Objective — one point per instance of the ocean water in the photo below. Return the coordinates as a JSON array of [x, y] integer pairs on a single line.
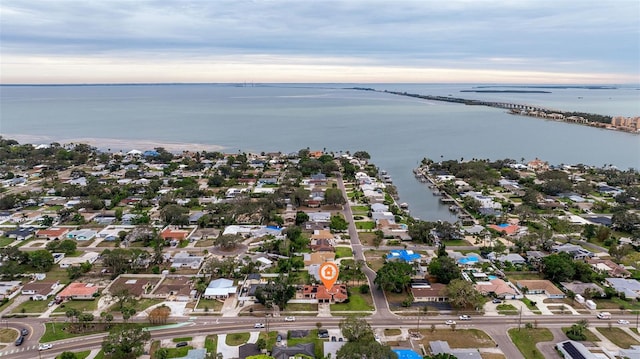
[[397, 131]]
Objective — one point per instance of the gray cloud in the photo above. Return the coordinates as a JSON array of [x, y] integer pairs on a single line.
[[588, 36]]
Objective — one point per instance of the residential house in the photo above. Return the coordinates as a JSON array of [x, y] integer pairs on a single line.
[[305, 350], [609, 267], [220, 288], [199, 353], [318, 258], [403, 255], [536, 286], [322, 245], [78, 291], [630, 287], [186, 260], [176, 288], [575, 350], [90, 257], [81, 234], [581, 288], [39, 290], [379, 207], [20, 233], [337, 293], [496, 287], [434, 292], [169, 234], [442, 347], [136, 285], [513, 258], [52, 233], [577, 252], [8, 287], [319, 216]]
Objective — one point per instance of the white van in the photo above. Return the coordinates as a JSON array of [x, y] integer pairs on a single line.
[[604, 315]]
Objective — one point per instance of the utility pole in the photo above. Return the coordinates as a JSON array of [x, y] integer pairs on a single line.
[[520, 319]]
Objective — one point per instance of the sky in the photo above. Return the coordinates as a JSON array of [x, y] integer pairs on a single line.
[[374, 41]]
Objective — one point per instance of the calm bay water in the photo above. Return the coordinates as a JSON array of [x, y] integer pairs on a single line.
[[397, 131]]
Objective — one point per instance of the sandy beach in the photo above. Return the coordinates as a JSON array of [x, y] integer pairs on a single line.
[[117, 145]]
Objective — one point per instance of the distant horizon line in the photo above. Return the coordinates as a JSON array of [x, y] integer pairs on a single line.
[[253, 84]]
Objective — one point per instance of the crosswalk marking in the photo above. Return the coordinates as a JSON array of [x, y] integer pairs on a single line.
[[17, 350]]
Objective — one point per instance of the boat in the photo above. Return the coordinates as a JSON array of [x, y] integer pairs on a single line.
[[404, 205]]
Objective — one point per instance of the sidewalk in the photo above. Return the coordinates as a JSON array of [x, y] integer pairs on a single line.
[[604, 342]]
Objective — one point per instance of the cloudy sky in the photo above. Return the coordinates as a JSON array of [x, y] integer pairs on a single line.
[[508, 41]]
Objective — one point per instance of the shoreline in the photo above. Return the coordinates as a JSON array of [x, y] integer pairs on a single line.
[[114, 145]]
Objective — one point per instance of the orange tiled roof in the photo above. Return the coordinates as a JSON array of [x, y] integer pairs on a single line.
[[52, 232], [78, 289], [168, 233]]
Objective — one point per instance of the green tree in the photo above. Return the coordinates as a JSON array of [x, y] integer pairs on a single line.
[[338, 223], [67, 246], [420, 231], [463, 295], [333, 196], [125, 343], [228, 241], [361, 343], [445, 268], [558, 267], [394, 276], [301, 217], [68, 355], [41, 260]]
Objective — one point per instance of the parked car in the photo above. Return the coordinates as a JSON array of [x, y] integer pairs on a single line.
[[323, 333], [496, 301], [45, 346], [181, 344], [465, 317], [19, 341], [279, 338], [450, 322], [258, 325], [51, 303], [290, 319], [622, 321], [24, 332]]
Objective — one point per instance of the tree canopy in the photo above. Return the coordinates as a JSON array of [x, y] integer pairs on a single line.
[[394, 276], [125, 343], [445, 269]]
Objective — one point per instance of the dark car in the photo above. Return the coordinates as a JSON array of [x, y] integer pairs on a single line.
[[181, 344], [19, 341], [24, 332]]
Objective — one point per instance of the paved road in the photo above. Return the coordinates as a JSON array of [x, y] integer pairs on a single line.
[[379, 299], [495, 326]]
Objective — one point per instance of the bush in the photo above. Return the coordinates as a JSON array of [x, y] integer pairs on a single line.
[[364, 289]]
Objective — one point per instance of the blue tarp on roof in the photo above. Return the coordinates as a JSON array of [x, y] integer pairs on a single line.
[[403, 254], [407, 354]]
